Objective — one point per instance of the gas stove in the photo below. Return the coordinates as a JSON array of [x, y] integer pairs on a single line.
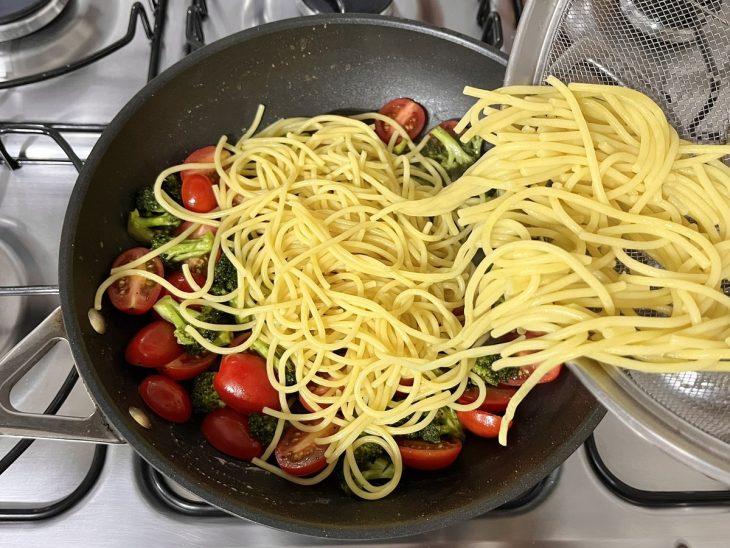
[[615, 489]]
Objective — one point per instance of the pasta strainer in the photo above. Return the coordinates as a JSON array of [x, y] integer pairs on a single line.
[[678, 53]]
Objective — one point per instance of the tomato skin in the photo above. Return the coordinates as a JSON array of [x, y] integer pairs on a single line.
[[481, 423], [178, 280], [422, 455], [495, 401], [550, 376], [153, 345], [229, 433], [198, 233], [449, 126], [243, 384], [318, 390], [186, 366], [135, 295], [204, 155], [166, 398], [197, 193], [410, 116], [299, 455]]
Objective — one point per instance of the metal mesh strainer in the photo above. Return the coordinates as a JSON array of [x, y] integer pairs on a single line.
[[678, 53]]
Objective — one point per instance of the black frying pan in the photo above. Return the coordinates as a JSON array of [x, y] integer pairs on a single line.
[[298, 67]]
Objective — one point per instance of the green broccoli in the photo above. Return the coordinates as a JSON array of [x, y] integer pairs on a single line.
[[169, 310], [483, 368], [261, 348], [374, 464], [144, 229], [203, 395], [444, 425], [262, 427], [184, 251], [225, 278], [455, 157], [173, 187]]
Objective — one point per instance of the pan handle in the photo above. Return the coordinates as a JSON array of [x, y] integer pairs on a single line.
[[15, 364]]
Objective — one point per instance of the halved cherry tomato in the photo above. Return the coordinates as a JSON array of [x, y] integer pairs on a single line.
[[527, 371], [204, 155], [135, 294], [298, 453], [153, 345], [166, 398], [482, 423], [197, 193], [422, 455], [316, 389], [449, 126], [229, 432], [186, 366], [410, 116], [495, 401], [243, 384]]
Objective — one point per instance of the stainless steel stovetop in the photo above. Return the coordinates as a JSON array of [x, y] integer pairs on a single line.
[[66, 494]]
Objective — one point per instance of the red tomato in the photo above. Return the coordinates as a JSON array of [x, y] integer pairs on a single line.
[[242, 384], [197, 193], [229, 432], [135, 294], [481, 423], [298, 453], [449, 126], [166, 398], [410, 116], [527, 371], [153, 345], [178, 280], [198, 233], [186, 367], [422, 455], [495, 401], [316, 389], [205, 155]]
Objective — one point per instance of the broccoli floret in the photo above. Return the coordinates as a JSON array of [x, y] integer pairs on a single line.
[[184, 251], [483, 368], [444, 425], [225, 277], [374, 464], [262, 427], [455, 157], [203, 395], [144, 229], [173, 187], [262, 348], [169, 310]]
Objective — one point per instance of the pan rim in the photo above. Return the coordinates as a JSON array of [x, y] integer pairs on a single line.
[[148, 451]]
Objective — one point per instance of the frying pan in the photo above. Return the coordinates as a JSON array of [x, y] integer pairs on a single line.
[[297, 67]]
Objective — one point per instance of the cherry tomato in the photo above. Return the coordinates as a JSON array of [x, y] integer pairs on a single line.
[[410, 116], [178, 280], [242, 384], [318, 390], [198, 233], [166, 398], [298, 453], [422, 455], [481, 423], [197, 193], [186, 366], [449, 126], [527, 371], [495, 401], [204, 155], [134, 294], [228, 431], [153, 345]]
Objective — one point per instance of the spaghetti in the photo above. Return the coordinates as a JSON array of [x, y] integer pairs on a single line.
[[608, 235]]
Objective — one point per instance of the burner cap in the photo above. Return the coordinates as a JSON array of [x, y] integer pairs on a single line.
[[20, 18], [13, 10], [350, 6]]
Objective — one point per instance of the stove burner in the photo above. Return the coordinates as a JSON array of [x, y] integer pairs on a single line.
[[20, 18], [346, 6]]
